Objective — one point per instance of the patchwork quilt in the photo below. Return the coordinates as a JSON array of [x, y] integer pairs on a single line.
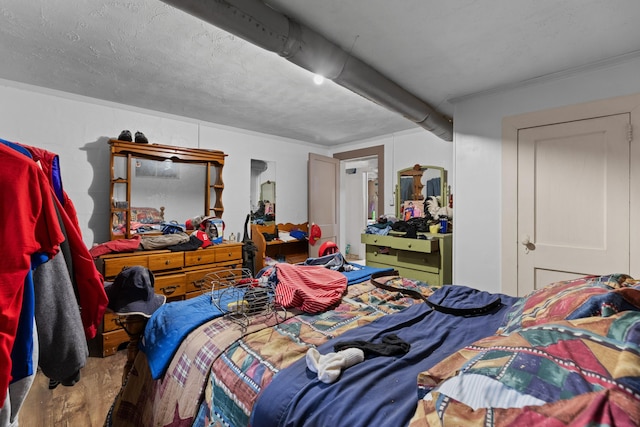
[[565, 355]]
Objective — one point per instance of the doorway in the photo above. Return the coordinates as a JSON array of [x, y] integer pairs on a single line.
[[362, 193], [359, 199]]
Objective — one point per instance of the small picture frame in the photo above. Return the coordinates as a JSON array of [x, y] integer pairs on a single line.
[[412, 209]]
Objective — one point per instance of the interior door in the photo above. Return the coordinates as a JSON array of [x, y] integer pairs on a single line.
[[323, 198], [573, 200]]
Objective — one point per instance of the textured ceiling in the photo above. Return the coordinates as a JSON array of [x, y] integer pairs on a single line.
[[147, 54]]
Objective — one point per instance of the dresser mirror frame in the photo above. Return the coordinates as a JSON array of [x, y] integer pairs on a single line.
[[416, 177], [128, 166]]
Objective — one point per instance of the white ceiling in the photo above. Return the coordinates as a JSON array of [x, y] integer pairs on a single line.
[[147, 54]]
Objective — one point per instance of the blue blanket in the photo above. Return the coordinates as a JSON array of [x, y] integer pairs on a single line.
[[172, 322], [381, 390], [363, 273]]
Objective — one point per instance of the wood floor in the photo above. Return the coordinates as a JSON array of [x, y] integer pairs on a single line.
[[85, 404]]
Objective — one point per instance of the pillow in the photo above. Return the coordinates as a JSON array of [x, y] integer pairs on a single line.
[[574, 299], [579, 372]]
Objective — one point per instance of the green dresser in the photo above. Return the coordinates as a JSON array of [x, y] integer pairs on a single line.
[[427, 260]]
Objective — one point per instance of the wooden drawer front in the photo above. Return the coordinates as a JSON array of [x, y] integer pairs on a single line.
[[167, 261], [417, 245], [194, 282], [109, 322], [200, 257], [197, 280], [170, 285], [113, 266], [194, 294], [112, 340], [231, 272], [433, 279], [223, 276], [430, 278], [228, 253], [407, 259]]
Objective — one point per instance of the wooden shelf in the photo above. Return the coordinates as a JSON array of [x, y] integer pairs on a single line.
[[292, 251]]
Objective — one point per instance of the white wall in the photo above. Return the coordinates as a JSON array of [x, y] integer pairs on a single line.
[[78, 128], [478, 151]]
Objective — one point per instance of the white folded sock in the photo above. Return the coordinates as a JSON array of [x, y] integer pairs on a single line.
[[329, 366]]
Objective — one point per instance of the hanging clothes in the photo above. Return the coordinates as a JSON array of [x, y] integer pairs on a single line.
[[28, 225], [87, 281]]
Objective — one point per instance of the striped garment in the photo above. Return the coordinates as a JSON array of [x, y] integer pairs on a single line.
[[312, 289]]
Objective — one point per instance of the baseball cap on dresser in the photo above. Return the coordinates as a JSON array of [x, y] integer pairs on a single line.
[[132, 292], [204, 237]]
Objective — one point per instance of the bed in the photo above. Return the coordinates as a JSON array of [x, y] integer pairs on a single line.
[[567, 354]]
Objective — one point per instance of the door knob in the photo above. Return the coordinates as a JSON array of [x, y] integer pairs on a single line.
[[527, 243]]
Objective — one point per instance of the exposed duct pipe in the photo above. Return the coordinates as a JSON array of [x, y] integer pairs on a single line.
[[263, 26]]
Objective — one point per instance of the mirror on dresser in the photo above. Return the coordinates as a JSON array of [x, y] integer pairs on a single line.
[[153, 183], [263, 190], [414, 187]]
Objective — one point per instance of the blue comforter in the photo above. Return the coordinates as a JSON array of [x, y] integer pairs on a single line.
[[380, 391]]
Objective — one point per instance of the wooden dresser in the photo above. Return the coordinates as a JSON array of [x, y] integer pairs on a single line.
[[427, 260], [178, 276]]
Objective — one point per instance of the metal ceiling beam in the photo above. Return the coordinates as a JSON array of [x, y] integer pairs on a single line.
[[263, 26]]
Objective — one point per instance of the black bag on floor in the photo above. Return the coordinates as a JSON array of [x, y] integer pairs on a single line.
[[249, 250]]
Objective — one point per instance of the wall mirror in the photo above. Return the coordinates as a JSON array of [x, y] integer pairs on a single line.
[[153, 184], [415, 185], [263, 190]]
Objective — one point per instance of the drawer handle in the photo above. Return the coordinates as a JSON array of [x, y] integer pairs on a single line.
[[167, 262], [409, 245], [169, 289], [199, 258], [198, 283]]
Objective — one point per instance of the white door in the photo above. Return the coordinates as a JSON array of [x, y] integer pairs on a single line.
[[323, 202], [573, 200]]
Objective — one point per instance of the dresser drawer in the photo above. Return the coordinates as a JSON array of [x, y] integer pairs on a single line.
[[166, 261], [170, 285], [113, 266], [111, 341], [194, 280], [228, 253], [404, 259], [429, 277], [200, 257], [416, 245], [110, 321]]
